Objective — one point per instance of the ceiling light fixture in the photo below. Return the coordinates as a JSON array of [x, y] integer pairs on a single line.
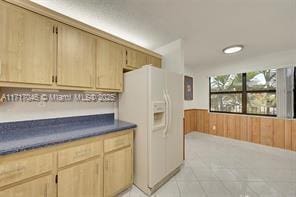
[[233, 49]]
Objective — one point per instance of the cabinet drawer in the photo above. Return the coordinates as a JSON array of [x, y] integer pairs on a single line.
[[117, 142], [41, 187], [14, 171], [79, 153]]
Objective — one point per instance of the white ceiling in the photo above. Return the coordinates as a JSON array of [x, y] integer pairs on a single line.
[[206, 26]]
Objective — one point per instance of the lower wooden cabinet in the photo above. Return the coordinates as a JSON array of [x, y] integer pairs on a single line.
[[76, 169], [117, 171], [81, 180], [41, 187]]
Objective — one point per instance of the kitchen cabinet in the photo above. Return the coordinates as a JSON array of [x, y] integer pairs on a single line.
[[73, 169], [117, 171], [76, 57], [109, 65], [84, 179], [27, 51], [154, 61], [135, 59], [40, 187], [43, 49]]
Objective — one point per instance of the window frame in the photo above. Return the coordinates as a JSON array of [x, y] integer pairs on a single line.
[[244, 92]]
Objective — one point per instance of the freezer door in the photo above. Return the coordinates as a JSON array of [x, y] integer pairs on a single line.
[[157, 140], [174, 136]]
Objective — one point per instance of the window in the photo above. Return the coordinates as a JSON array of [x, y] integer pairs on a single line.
[[261, 92], [226, 93], [244, 93]]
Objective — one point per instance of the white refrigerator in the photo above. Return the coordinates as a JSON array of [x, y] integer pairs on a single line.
[[153, 99]]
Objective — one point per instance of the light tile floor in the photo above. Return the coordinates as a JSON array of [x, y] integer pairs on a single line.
[[220, 167]]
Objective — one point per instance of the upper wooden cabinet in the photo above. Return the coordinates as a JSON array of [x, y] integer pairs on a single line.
[[109, 65], [27, 52], [154, 61], [76, 57], [135, 59], [55, 52]]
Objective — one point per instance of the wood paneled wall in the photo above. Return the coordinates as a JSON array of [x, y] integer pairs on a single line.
[[268, 131], [196, 120]]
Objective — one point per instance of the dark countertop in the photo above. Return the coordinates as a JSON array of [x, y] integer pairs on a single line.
[[27, 135]]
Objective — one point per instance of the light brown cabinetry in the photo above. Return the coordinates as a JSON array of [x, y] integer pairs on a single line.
[[55, 52], [27, 52], [83, 179], [118, 166], [20, 169], [73, 169], [117, 171], [76, 57], [109, 65], [40, 187], [154, 61], [135, 59]]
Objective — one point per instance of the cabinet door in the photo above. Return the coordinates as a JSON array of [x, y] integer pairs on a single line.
[[117, 171], [81, 180], [154, 61], [76, 57], [110, 62], [41, 187], [135, 59], [27, 47]]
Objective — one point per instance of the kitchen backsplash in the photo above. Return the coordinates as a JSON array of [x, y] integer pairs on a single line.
[[19, 111]]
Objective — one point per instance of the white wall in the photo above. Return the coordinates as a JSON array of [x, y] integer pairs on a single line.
[[17, 111], [275, 60], [172, 56]]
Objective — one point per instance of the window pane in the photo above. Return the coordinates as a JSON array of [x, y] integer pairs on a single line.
[[261, 80], [226, 83], [261, 103], [226, 102]]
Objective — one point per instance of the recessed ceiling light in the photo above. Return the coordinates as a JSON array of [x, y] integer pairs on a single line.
[[233, 49]]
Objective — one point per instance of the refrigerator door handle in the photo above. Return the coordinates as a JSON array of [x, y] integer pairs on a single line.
[[169, 110], [166, 113]]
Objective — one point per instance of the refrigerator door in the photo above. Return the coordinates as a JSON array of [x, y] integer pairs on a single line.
[[174, 135], [156, 139]]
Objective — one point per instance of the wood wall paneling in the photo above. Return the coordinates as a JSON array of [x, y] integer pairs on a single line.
[[190, 120], [275, 132], [244, 128], [288, 134], [293, 136], [212, 124], [206, 121], [254, 129], [220, 125], [279, 133], [231, 126], [200, 121], [266, 131]]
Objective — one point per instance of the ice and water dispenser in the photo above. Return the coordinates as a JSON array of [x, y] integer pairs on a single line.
[[159, 111]]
